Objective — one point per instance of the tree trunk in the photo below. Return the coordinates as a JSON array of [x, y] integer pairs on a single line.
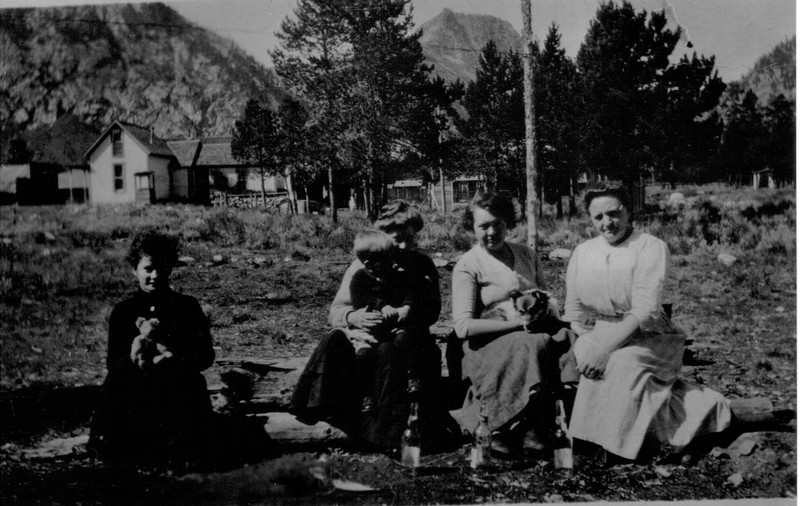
[[573, 190], [530, 130], [444, 198], [263, 187], [290, 189], [559, 206], [334, 216]]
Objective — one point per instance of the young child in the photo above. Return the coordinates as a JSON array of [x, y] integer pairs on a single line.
[[381, 285], [155, 405]]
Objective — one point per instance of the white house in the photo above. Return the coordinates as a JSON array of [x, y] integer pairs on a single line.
[[457, 191], [128, 163]]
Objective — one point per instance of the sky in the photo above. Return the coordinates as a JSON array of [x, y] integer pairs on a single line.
[[736, 32]]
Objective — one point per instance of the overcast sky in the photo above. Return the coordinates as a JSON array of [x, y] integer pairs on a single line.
[[737, 32]]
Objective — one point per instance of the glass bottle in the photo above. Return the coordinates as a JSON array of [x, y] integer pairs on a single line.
[[410, 443], [562, 443], [481, 441]]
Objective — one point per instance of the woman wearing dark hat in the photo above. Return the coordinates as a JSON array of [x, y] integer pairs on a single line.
[[327, 388]]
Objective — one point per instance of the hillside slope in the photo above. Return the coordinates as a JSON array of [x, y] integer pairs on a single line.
[[141, 63], [452, 42], [774, 73]]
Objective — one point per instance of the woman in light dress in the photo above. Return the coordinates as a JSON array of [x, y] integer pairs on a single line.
[[628, 351]]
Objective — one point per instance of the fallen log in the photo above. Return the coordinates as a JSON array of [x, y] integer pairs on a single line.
[[284, 428], [754, 410]]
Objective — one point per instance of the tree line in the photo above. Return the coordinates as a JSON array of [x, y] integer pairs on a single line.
[[363, 109]]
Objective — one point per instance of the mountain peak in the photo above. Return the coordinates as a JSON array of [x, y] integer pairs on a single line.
[[452, 42]]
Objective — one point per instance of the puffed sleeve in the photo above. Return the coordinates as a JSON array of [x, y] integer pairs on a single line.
[[342, 304], [649, 273], [465, 293], [574, 310]]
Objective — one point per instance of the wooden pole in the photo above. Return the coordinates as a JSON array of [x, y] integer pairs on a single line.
[[531, 205]]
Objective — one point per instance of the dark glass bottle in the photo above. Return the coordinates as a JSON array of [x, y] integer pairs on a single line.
[[410, 443], [481, 440], [562, 443]]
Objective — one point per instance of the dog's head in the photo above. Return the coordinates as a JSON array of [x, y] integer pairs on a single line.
[[532, 305]]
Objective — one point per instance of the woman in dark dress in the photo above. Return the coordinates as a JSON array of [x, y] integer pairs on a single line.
[[155, 408], [326, 389]]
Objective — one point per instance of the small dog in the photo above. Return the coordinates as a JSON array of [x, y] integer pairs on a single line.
[[537, 310]]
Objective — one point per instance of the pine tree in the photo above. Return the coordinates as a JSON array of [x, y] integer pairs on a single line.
[[256, 140], [743, 147], [621, 63], [780, 122]]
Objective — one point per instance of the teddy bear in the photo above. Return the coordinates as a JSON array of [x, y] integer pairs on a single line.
[[154, 350]]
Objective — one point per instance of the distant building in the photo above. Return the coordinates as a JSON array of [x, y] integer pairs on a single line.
[[129, 163], [763, 178], [457, 191]]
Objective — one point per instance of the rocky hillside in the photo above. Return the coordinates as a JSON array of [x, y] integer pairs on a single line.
[[141, 63], [452, 42], [774, 73]]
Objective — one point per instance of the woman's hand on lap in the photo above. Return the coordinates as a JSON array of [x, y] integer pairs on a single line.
[[592, 357], [363, 319]]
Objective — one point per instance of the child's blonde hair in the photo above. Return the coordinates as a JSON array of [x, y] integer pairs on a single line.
[[372, 243]]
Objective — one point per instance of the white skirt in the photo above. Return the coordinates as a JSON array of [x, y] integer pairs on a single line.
[[640, 394]]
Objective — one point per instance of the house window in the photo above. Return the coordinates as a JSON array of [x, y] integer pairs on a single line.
[[463, 191], [116, 142], [144, 180], [119, 177]]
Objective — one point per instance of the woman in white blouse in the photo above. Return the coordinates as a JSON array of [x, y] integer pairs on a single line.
[[628, 352]]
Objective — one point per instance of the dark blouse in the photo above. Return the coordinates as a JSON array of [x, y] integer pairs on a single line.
[[184, 327]]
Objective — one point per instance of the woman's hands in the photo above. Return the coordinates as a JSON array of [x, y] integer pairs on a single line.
[[364, 319], [592, 357]]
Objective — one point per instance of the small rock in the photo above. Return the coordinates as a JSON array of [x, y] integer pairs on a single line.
[[438, 254], [439, 262], [6, 241], [663, 471], [186, 260], [49, 237], [46, 252], [780, 309], [260, 260], [560, 254], [554, 498], [677, 199], [218, 259], [735, 479], [726, 259], [746, 447]]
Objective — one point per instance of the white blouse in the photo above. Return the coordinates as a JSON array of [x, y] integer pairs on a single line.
[[605, 281]]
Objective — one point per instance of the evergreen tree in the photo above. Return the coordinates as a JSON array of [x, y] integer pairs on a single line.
[[557, 140], [621, 62], [494, 144], [780, 148], [744, 141], [256, 140], [315, 62], [691, 125]]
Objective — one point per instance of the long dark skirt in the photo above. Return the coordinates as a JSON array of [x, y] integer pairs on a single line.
[[328, 390], [155, 418]]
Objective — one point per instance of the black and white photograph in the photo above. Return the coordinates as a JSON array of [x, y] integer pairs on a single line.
[[398, 252]]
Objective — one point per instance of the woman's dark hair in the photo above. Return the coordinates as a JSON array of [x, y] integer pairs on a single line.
[[398, 214], [496, 203], [160, 247], [608, 189]]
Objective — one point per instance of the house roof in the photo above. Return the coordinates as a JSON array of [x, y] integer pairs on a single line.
[[216, 151], [143, 136], [185, 151]]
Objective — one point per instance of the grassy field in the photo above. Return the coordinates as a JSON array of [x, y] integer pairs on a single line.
[[62, 270]]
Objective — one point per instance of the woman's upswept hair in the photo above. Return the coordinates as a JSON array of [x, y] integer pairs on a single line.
[[371, 243], [160, 247], [608, 189], [398, 214], [498, 204]]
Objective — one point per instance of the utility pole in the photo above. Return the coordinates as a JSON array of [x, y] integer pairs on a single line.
[[531, 204]]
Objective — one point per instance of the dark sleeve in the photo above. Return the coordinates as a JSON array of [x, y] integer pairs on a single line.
[[360, 290], [196, 349], [119, 337], [424, 292]]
